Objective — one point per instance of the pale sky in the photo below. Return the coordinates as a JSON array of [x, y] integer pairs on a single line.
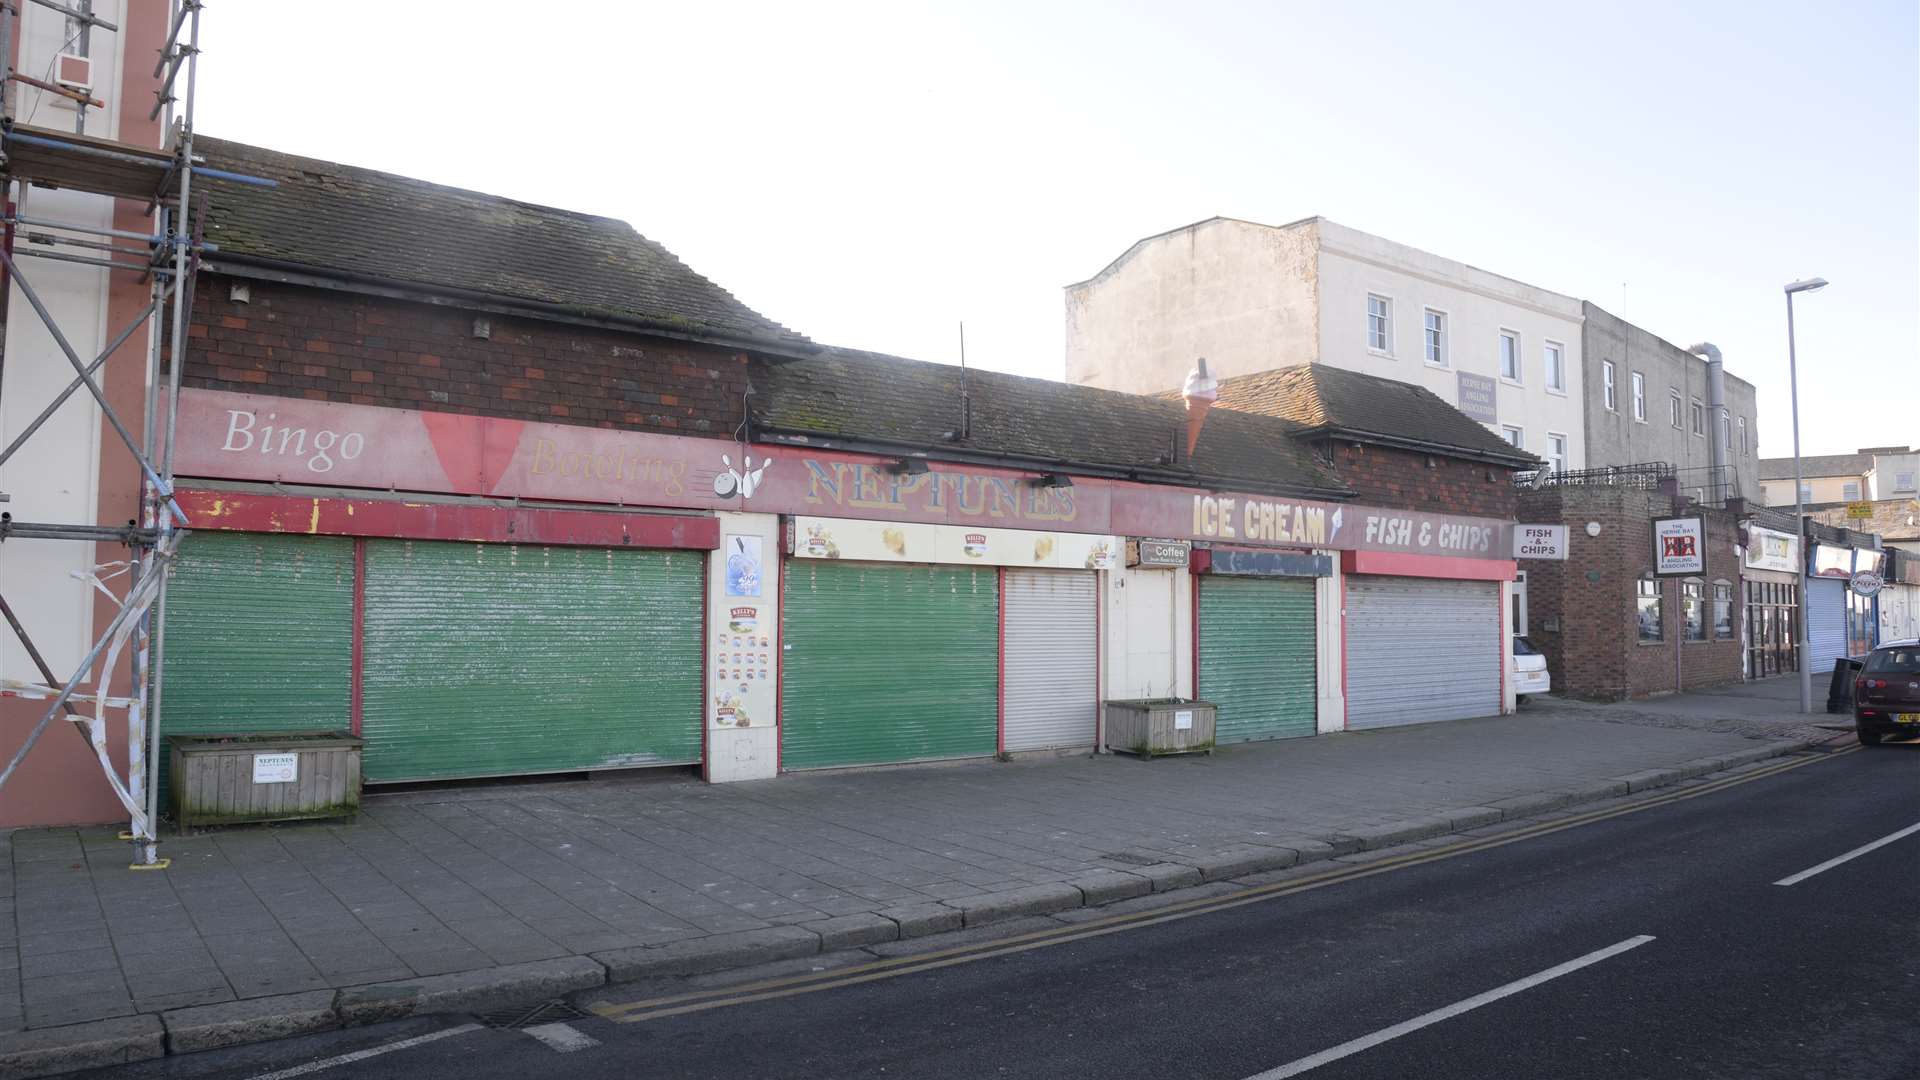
[[871, 175]]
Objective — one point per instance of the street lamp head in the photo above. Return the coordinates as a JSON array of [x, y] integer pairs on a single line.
[[1810, 285]]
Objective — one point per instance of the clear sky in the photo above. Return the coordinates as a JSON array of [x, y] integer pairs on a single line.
[[871, 175]]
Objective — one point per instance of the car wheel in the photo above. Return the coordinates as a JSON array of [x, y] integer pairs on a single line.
[[1868, 738], [1520, 699]]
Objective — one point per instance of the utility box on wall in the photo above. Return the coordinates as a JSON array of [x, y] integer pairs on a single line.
[[280, 776]]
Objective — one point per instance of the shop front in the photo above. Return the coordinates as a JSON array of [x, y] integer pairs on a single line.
[[910, 641], [1770, 581], [1426, 638], [1841, 621], [1255, 638]]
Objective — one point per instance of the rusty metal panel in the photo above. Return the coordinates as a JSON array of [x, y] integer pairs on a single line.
[[498, 659], [259, 636]]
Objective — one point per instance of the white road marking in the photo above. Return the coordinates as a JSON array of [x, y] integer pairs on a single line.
[[563, 1038], [371, 1052], [1854, 854], [1368, 1042]]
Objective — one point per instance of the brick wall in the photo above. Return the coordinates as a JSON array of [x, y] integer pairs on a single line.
[[1408, 480], [1592, 597], [327, 345]]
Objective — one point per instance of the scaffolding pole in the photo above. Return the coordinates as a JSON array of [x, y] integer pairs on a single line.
[[163, 183]]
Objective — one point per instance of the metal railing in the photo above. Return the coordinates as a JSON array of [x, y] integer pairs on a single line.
[[1706, 485]]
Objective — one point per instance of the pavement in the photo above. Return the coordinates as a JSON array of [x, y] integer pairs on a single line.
[[477, 898]]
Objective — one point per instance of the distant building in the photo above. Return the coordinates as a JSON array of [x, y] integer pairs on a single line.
[[1252, 298], [1872, 473], [1647, 402]]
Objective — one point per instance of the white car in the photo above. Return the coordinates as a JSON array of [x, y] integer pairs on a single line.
[[1529, 669]]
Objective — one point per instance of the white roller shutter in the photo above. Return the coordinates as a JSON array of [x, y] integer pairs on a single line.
[[1826, 622], [1050, 657], [1421, 649]]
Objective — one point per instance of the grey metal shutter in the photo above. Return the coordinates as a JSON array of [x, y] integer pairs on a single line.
[[1421, 649], [1826, 622], [1050, 657]]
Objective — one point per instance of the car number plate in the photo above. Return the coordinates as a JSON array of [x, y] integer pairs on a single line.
[[1906, 718]]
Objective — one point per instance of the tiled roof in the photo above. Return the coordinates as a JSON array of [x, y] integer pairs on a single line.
[[854, 395], [1324, 398], [1781, 468], [341, 219]]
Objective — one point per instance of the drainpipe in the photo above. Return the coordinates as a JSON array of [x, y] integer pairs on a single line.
[[1718, 430]]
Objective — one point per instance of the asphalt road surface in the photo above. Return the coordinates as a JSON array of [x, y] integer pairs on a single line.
[[1684, 940]]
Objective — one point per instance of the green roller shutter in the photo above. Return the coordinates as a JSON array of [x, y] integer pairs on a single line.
[[259, 636], [493, 659], [1256, 656], [888, 663]]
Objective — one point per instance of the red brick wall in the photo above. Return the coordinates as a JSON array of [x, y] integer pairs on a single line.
[[1596, 652], [327, 345], [1407, 480]]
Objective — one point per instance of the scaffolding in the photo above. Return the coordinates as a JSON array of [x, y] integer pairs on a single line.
[[165, 256]]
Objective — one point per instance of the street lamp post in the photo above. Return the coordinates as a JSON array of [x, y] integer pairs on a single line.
[[1799, 501]]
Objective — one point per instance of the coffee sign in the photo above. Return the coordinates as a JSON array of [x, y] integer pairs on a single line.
[[1158, 553]]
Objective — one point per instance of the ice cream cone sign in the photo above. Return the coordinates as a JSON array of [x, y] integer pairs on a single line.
[[1199, 391]]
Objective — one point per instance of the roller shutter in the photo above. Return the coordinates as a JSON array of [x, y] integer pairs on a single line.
[[1257, 656], [259, 636], [887, 664], [1050, 658], [1826, 622], [496, 659], [1421, 649]]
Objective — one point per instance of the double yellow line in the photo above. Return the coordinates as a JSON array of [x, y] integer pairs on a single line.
[[770, 989]]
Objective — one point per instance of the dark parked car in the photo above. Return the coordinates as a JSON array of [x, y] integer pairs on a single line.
[[1886, 695]]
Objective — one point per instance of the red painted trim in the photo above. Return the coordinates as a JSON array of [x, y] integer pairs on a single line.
[[1200, 561], [780, 663], [706, 627], [1403, 564], [1000, 666], [1346, 713], [359, 632], [251, 512], [1194, 579]]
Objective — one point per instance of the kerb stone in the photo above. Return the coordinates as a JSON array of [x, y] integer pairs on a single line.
[[721, 952]]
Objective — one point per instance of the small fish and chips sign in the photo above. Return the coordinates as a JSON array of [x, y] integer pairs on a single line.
[[1540, 541]]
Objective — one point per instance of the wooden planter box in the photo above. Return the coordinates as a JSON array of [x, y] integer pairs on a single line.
[[1151, 727], [284, 776]]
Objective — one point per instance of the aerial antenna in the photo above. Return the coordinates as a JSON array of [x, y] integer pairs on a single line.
[[966, 400]]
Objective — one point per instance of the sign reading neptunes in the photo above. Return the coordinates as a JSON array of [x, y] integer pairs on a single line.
[[296, 441]]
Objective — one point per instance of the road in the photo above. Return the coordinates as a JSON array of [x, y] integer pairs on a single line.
[[1650, 944]]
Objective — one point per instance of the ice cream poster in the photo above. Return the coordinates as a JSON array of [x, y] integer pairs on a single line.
[[743, 565]]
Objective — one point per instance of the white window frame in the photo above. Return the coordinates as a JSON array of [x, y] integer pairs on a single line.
[[1676, 410], [1514, 435], [1697, 418], [1386, 322], [1554, 349], [1566, 450], [1445, 335], [1903, 481], [1638, 381], [1726, 431], [1519, 356], [1743, 437], [1850, 491], [1608, 396], [1806, 491]]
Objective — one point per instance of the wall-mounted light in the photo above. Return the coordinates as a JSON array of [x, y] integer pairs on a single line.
[[1053, 480], [906, 466]]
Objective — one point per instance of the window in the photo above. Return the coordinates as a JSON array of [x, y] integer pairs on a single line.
[[1806, 492], [1673, 407], [1556, 359], [1850, 490], [1726, 432], [1743, 436], [1639, 397], [1693, 610], [1649, 610], [1379, 323], [1723, 610], [1512, 435], [1903, 481], [1436, 337], [1606, 382], [1699, 419], [1510, 355], [1557, 452]]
